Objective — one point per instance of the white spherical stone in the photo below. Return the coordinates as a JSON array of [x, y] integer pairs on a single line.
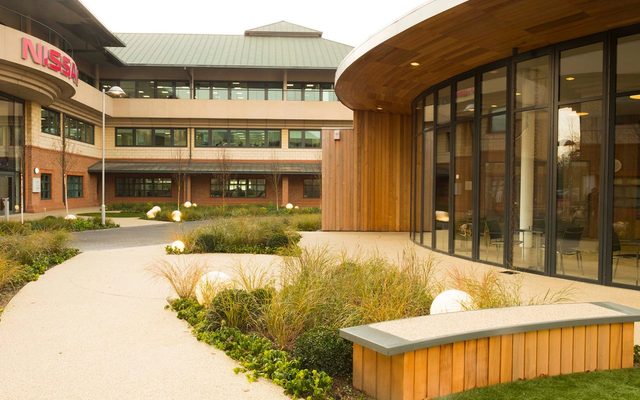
[[451, 301], [178, 245], [194, 205], [151, 214], [211, 283], [70, 217], [156, 209], [289, 206], [187, 204], [176, 216]]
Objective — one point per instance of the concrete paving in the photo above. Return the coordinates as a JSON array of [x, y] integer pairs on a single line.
[[95, 326]]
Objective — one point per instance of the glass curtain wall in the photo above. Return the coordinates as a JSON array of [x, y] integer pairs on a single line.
[[442, 170], [493, 127], [564, 122], [11, 150], [580, 132], [530, 153], [625, 243], [427, 204], [463, 163]]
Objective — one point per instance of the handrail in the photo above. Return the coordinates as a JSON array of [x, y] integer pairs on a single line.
[[67, 47]]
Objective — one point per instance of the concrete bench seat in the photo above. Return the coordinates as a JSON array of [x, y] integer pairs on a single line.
[[436, 355]]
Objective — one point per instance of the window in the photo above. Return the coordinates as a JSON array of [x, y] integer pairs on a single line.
[[143, 187], [151, 137], [262, 138], [50, 121], [220, 91], [45, 186], [304, 138], [203, 90], [310, 91], [78, 130], [311, 188], [240, 188], [74, 186]]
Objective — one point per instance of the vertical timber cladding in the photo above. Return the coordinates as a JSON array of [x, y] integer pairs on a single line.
[[366, 174]]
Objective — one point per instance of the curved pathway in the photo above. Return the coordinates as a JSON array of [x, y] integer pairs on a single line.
[[95, 327]]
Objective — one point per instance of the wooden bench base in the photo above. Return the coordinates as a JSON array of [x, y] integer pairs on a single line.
[[455, 367]]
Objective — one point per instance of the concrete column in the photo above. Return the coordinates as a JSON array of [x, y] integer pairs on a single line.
[[284, 139], [285, 80], [285, 189]]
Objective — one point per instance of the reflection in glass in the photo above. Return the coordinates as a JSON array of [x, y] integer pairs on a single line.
[[418, 189], [444, 105], [203, 90], [144, 89], [626, 193], [494, 91], [492, 178], [463, 177], [427, 212], [578, 187], [628, 65], [532, 82], [442, 188], [529, 203], [239, 91], [581, 72]]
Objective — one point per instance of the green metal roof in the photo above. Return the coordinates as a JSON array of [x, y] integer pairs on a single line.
[[279, 45], [283, 28]]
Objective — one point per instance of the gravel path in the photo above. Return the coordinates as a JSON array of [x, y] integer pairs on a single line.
[[95, 327]]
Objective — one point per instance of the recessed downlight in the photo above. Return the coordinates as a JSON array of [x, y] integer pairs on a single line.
[[582, 114], [570, 78], [635, 96], [379, 108], [494, 106], [414, 64], [518, 94]]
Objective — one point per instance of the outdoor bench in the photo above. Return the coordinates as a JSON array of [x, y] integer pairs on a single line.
[[436, 355]]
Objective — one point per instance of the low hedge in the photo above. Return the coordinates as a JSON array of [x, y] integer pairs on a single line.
[[323, 349], [241, 235]]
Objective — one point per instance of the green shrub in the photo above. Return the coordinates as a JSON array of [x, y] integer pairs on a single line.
[[11, 272], [33, 248], [323, 349], [636, 354], [237, 308], [257, 356], [241, 235], [51, 223], [320, 290], [306, 222]]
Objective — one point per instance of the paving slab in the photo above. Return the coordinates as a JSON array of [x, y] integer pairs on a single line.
[[95, 327]]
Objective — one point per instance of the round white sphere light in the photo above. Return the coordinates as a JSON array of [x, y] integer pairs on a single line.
[[211, 283], [289, 206], [36, 170], [451, 301]]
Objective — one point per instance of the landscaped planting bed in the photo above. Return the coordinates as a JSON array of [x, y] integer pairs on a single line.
[[25, 255], [287, 329]]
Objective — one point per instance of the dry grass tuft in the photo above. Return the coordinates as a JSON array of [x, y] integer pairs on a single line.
[[492, 290], [183, 274]]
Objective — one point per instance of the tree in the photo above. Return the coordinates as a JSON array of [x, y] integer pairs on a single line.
[[276, 174], [180, 174], [65, 159], [225, 170]]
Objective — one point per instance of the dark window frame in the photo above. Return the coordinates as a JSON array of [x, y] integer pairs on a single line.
[[312, 188], [243, 187], [75, 186], [227, 133], [45, 186], [303, 140], [50, 121], [88, 130], [172, 131], [143, 187]]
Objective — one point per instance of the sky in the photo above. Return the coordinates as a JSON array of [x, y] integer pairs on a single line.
[[344, 21]]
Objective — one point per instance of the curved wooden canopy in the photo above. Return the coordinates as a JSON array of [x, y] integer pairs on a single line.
[[449, 37]]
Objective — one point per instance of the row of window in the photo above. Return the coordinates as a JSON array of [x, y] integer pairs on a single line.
[[225, 90], [161, 187], [238, 137], [151, 137], [73, 128], [205, 137], [74, 186]]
